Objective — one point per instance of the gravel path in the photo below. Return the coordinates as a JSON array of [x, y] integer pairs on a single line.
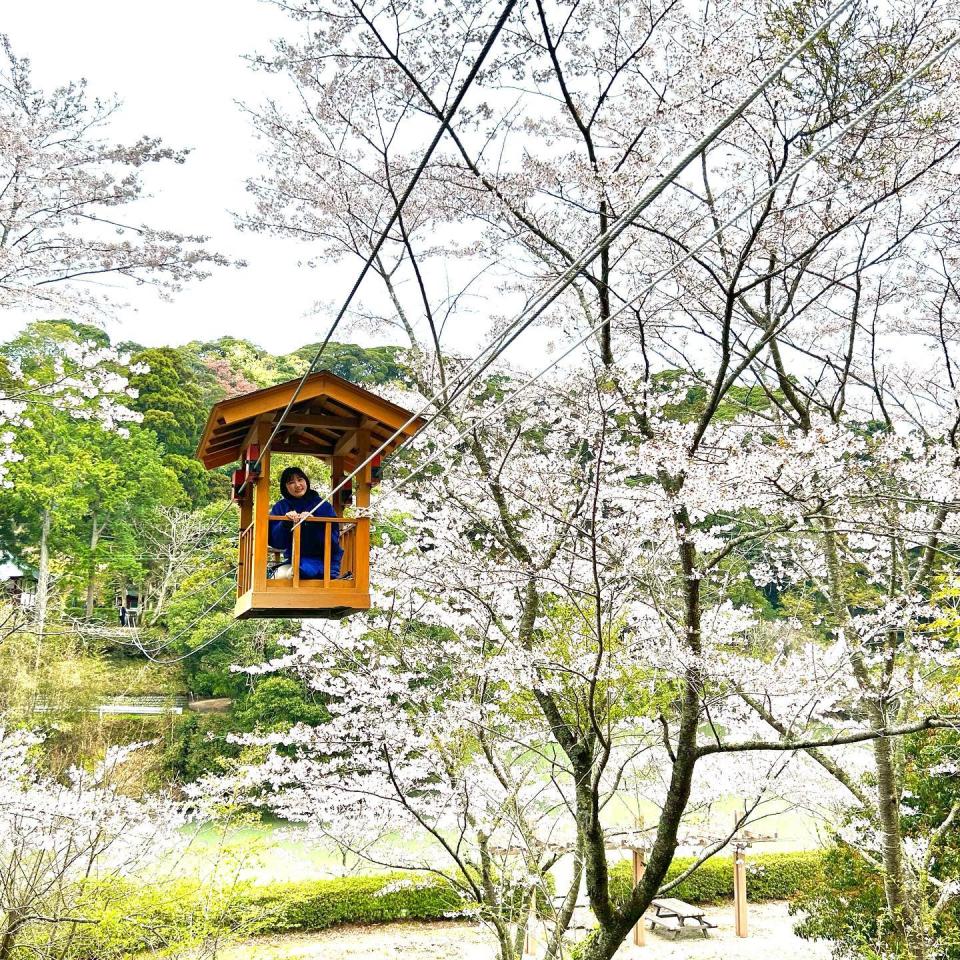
[[771, 938]]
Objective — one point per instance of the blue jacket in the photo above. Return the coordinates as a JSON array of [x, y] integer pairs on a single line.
[[311, 534]]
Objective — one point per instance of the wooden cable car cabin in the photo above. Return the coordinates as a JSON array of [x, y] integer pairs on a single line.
[[336, 421]]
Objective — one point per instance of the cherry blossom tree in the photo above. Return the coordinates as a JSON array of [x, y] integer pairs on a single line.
[[57, 839], [61, 189], [621, 576], [63, 232]]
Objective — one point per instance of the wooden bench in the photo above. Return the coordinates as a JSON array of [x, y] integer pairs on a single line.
[[672, 915]]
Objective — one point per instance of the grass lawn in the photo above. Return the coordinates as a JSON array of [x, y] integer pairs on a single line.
[[265, 852]]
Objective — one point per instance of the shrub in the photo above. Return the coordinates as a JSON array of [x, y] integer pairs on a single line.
[[130, 919], [770, 876], [197, 746], [318, 904], [847, 907]]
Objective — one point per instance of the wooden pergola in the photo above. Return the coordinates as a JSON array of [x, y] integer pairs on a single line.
[[335, 421]]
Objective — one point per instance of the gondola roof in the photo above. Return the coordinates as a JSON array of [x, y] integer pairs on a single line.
[[323, 422]]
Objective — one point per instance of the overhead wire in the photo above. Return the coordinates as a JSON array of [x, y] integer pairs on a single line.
[[542, 300], [765, 194], [394, 217], [135, 642], [381, 240], [503, 341], [168, 661], [384, 234]]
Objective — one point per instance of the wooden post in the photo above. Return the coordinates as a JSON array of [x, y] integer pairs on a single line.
[[327, 550], [336, 475], [740, 889], [295, 554], [361, 571], [363, 477], [639, 934]]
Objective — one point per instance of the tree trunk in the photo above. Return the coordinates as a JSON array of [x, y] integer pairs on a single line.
[[6, 944], [604, 942], [95, 532], [43, 579], [896, 886], [8, 939]]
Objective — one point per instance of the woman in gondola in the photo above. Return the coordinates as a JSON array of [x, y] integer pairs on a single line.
[[297, 502]]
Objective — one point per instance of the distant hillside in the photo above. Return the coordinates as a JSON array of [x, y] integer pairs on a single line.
[[241, 366], [184, 382]]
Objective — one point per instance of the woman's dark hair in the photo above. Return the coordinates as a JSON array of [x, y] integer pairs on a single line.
[[288, 475]]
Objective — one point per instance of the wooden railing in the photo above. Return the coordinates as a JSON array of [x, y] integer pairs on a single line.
[[245, 562], [350, 569]]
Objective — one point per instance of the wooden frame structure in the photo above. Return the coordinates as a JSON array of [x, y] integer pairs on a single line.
[[742, 840], [335, 421]]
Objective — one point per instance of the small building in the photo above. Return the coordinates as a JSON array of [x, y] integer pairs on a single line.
[[128, 606], [18, 583]]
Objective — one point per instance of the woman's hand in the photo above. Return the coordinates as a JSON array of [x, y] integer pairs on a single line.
[[292, 515]]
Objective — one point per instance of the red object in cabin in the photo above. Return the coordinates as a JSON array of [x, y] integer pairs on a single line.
[[237, 483], [376, 470]]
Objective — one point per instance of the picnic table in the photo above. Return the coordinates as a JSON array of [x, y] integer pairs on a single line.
[[672, 914]]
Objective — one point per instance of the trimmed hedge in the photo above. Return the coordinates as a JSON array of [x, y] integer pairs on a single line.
[[131, 919], [770, 876], [318, 904]]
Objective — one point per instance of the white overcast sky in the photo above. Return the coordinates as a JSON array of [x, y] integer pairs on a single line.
[[178, 68]]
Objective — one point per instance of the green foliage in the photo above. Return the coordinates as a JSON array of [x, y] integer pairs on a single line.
[[849, 906], [239, 366], [132, 919], [129, 676], [35, 338], [174, 397], [95, 483], [277, 703], [357, 364], [318, 904], [738, 401], [199, 484], [169, 397], [846, 907], [129, 919], [770, 876], [197, 746], [198, 742], [104, 491]]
